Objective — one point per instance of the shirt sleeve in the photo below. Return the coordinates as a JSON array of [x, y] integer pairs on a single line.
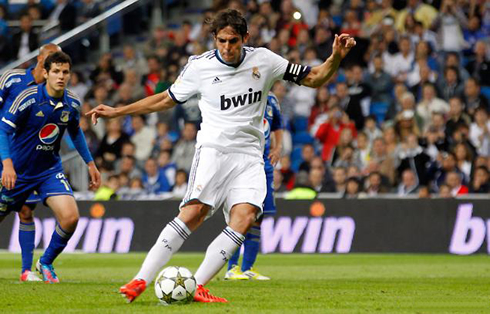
[[276, 114], [78, 138], [187, 84], [278, 64], [16, 113]]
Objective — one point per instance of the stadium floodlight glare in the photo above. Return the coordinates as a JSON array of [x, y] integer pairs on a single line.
[[297, 15]]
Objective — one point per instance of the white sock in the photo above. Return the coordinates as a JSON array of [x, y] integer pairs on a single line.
[[169, 242], [217, 254]]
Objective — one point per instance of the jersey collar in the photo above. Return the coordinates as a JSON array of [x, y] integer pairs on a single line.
[[236, 65], [57, 103]]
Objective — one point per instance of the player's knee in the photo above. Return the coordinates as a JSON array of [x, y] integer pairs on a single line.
[[69, 222], [26, 215]]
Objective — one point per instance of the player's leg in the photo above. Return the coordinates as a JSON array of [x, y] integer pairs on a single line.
[[252, 239], [65, 210], [27, 236], [169, 242]]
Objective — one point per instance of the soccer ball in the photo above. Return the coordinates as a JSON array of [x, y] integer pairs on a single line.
[[175, 285]]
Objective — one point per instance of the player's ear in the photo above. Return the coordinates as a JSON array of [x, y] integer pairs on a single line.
[[45, 74], [245, 38]]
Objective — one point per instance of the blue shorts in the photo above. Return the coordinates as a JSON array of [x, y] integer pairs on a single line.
[[50, 185], [269, 202]]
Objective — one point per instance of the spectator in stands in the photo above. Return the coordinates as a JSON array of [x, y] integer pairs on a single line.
[[472, 33], [473, 97], [448, 24], [124, 95], [178, 49], [445, 191], [90, 136], [402, 61], [430, 104], [464, 159], [184, 149], [302, 189], [315, 178], [424, 191], [64, 14], [319, 111], [111, 144], [409, 184], [406, 125], [371, 129], [391, 139], [347, 158], [396, 103], [329, 132], [434, 142], [454, 181], [374, 185], [480, 182], [480, 132], [106, 72], [453, 60], [350, 105], [168, 167], [78, 85], [352, 188], [422, 12], [438, 171], [127, 166], [151, 79], [133, 79], [450, 85], [340, 180], [362, 151], [26, 39], [287, 173], [412, 156], [143, 138], [384, 161], [108, 190], [180, 187], [279, 185], [479, 65], [307, 154], [131, 59], [456, 116], [346, 138], [359, 91], [154, 181], [380, 82]]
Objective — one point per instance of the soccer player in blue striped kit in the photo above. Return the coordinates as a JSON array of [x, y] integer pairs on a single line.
[[12, 83], [272, 152], [31, 130]]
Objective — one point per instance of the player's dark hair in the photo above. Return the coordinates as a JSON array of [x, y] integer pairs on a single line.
[[57, 57], [226, 18]]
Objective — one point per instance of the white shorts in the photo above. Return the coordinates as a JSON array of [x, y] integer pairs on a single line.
[[222, 180]]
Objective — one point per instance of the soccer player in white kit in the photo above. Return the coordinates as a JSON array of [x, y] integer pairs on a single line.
[[232, 82]]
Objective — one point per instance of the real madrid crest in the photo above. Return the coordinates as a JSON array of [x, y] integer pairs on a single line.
[[65, 115], [255, 73]]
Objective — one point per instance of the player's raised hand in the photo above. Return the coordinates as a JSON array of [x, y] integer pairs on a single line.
[[9, 177], [342, 44], [274, 156], [95, 178], [101, 111]]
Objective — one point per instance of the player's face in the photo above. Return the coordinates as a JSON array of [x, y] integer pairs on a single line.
[[57, 78], [229, 44]]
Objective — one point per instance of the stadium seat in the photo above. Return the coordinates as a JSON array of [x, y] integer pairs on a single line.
[[379, 109], [485, 90], [296, 158], [300, 124], [302, 138]]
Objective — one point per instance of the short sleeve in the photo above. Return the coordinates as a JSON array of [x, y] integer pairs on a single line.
[[278, 64], [187, 84]]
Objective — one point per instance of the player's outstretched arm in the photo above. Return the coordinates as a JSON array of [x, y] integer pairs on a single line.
[[157, 102], [319, 75]]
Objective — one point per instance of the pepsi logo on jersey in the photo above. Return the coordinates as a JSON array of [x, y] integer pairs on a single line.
[[240, 100], [48, 135]]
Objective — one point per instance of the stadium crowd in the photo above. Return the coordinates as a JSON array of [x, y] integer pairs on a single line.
[[408, 112]]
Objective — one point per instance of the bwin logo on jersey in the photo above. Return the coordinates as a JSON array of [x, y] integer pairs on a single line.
[[49, 133], [240, 100]]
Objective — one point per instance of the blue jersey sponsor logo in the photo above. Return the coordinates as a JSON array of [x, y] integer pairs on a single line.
[[49, 133]]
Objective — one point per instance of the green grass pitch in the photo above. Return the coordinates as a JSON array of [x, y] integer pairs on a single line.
[[354, 283]]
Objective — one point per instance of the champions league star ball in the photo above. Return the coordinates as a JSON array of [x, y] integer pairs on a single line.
[[175, 285]]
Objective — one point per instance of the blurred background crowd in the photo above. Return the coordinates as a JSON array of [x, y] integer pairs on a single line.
[[407, 113]]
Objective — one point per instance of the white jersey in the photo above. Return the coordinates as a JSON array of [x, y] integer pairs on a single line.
[[232, 99]]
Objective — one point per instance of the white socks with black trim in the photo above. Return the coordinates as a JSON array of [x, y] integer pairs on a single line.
[[217, 254], [170, 240]]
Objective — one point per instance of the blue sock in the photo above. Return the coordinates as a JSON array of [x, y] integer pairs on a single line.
[[252, 246], [27, 235], [234, 259], [58, 242]]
